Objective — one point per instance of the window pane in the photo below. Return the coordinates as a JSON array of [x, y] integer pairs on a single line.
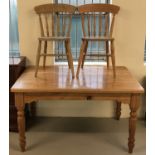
[[96, 1], [74, 2], [103, 1], [88, 1], [65, 1], [81, 2], [13, 29]]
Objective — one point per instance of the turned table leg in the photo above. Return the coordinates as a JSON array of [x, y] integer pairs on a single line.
[[118, 110], [20, 105], [134, 104]]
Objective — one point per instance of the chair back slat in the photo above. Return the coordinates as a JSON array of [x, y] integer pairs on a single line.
[[69, 25], [41, 26], [64, 17], [100, 24], [46, 22], [98, 16], [83, 24], [106, 33], [88, 19], [59, 23], [112, 25], [53, 25], [94, 23]]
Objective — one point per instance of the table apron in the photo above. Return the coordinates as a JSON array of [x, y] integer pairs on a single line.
[[122, 97]]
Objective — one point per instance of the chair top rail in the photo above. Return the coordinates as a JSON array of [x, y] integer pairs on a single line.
[[50, 8], [98, 8]]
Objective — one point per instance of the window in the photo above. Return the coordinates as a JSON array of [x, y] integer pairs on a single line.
[[76, 35], [13, 29]]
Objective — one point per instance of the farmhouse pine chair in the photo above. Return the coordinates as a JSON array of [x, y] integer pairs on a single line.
[[55, 25], [92, 18]]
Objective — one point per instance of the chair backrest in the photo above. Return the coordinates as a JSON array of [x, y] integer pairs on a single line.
[[98, 19], [55, 19]]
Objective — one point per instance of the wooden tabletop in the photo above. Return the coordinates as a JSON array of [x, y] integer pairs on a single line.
[[91, 78]]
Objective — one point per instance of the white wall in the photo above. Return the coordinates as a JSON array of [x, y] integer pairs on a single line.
[[129, 33]]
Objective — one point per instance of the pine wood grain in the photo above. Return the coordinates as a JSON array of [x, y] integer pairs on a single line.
[[94, 83], [97, 78]]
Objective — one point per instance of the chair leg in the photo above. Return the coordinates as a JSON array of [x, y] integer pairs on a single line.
[[84, 55], [107, 52], [70, 58], [113, 58], [38, 58], [45, 51], [67, 54], [80, 58]]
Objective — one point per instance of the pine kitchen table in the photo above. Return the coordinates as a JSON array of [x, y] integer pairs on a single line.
[[94, 83]]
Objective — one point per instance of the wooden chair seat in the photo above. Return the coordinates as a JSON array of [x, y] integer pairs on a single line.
[[60, 38], [97, 38]]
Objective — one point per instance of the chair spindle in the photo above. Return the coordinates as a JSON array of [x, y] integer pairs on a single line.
[[41, 25]]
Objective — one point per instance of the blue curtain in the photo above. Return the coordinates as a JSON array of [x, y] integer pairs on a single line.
[[13, 29]]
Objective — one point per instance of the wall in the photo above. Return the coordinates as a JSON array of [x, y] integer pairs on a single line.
[[129, 33], [29, 28]]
